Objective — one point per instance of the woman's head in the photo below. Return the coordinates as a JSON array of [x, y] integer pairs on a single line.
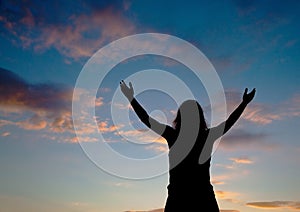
[[192, 111]]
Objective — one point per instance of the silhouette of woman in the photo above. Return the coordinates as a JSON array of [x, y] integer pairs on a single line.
[[189, 186]]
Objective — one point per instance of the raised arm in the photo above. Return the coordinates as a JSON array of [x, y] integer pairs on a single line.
[[150, 122], [235, 115]]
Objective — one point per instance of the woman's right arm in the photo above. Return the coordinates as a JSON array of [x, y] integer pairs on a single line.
[[222, 128]]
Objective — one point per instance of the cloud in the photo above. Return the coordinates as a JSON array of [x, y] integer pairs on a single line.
[[104, 127], [48, 104], [264, 114], [291, 107], [5, 134], [46, 107], [228, 196], [241, 139], [259, 114], [255, 112], [236, 162], [222, 179], [18, 94], [142, 135], [291, 205], [77, 35], [242, 160], [70, 40], [34, 123]]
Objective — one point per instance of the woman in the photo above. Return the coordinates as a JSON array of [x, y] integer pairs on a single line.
[[189, 139]]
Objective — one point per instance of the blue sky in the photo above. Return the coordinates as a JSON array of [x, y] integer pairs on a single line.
[[45, 45]]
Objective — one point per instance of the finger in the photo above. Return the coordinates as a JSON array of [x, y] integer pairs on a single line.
[[130, 85], [246, 91]]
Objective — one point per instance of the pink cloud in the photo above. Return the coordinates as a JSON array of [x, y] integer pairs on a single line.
[[72, 39]]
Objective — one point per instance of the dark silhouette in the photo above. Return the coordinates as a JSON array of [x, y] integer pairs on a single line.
[[189, 186]]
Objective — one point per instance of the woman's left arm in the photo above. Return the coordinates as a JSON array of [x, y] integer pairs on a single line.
[[150, 122]]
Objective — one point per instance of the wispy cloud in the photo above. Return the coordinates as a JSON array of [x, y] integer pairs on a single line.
[[43, 107], [104, 127], [154, 142], [75, 36], [241, 139], [219, 180], [228, 196], [45, 104], [236, 163], [290, 205], [71, 41], [4, 134], [48, 107], [260, 113], [16, 93], [242, 160]]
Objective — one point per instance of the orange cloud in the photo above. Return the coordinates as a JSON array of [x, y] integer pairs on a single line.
[[158, 148], [242, 160], [33, 123], [220, 179], [291, 205], [226, 194], [104, 128]]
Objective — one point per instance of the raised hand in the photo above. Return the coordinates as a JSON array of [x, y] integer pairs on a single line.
[[127, 91], [247, 97]]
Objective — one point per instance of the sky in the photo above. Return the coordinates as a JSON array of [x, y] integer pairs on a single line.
[[46, 45]]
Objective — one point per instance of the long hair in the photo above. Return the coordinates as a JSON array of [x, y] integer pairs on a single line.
[[187, 103]]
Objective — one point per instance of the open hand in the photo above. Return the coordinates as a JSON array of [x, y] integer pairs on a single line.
[[247, 97], [127, 91]]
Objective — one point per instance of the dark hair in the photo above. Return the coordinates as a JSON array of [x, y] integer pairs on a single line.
[[177, 120]]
